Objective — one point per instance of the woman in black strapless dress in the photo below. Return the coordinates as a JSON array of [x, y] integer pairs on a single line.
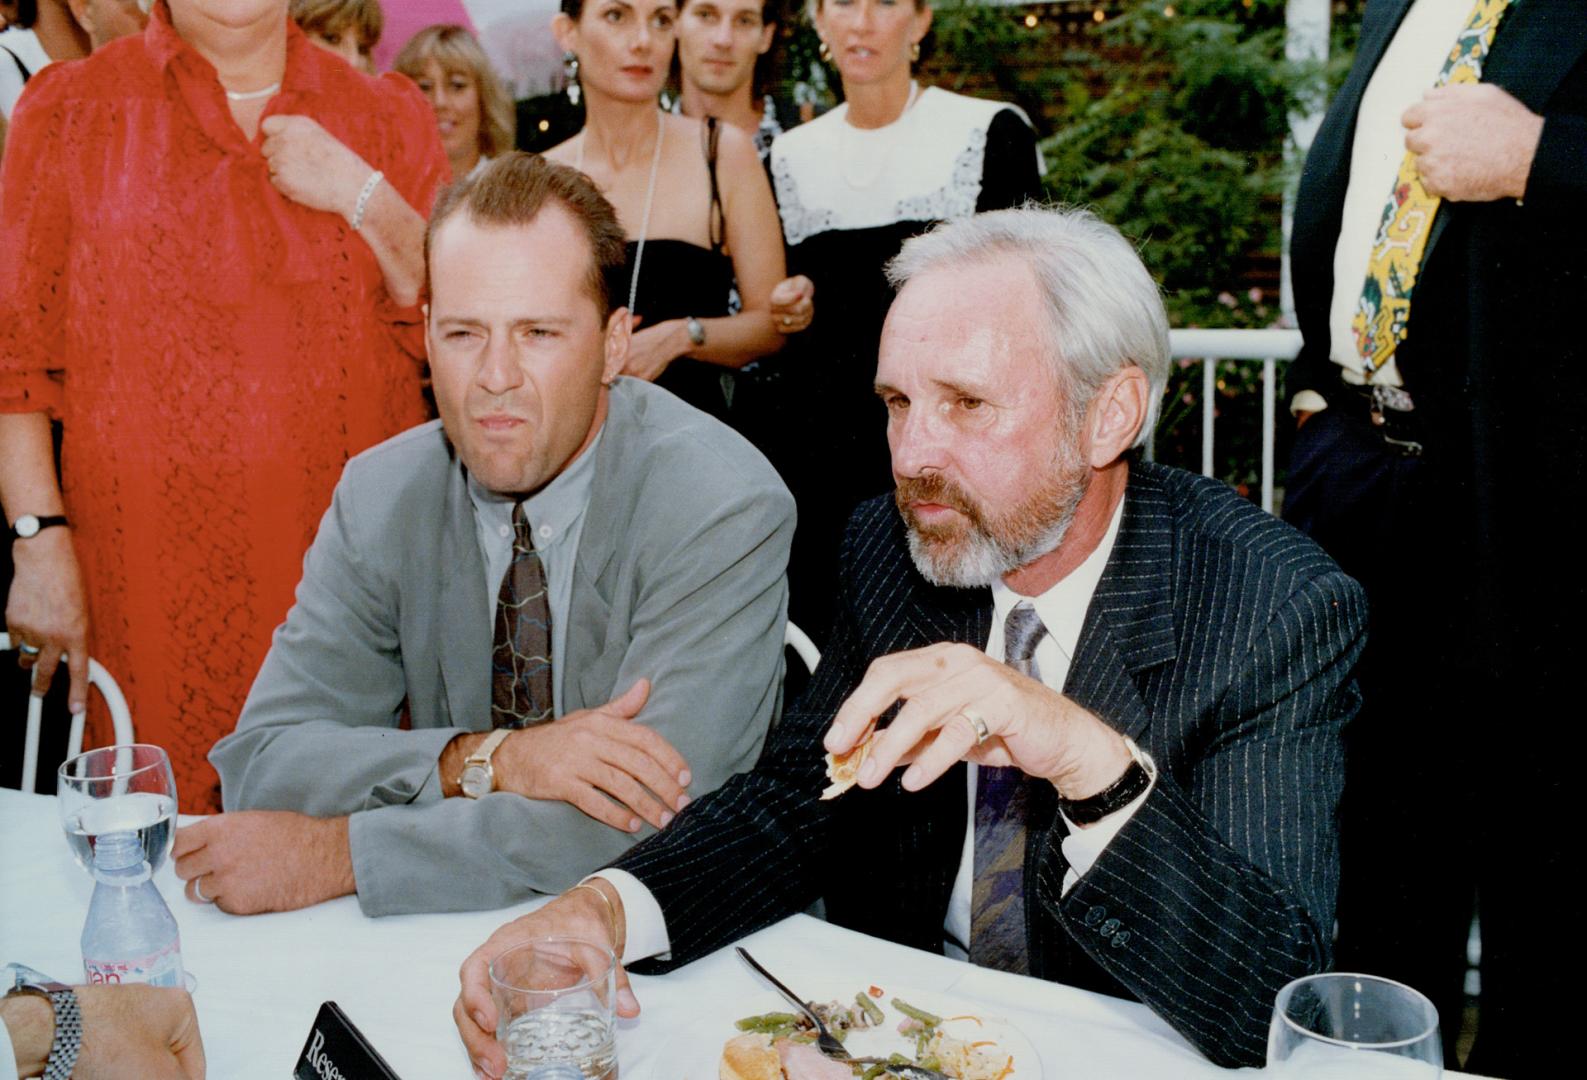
[[692, 196]]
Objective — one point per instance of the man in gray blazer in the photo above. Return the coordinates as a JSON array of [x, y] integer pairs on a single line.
[[393, 745]]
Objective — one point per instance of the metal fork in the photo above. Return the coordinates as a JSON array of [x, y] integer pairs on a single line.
[[826, 1042]]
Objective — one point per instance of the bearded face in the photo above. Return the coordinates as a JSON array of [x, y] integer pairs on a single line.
[[983, 543]]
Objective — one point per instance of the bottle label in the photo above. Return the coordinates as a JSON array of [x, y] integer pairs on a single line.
[[163, 968]]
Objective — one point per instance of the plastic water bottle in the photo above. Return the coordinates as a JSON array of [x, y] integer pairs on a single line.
[[558, 1071], [130, 935]]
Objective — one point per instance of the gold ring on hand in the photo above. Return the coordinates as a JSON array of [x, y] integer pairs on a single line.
[[982, 732]]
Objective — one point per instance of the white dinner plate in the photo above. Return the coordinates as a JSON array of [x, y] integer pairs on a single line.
[[697, 1045]]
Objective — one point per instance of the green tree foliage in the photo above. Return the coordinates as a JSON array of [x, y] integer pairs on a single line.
[[1175, 118]]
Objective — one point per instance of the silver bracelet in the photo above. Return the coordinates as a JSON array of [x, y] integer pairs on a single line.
[[68, 1041], [363, 198]]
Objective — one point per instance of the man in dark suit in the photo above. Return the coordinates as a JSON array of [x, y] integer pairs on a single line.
[[1426, 476], [1123, 687]]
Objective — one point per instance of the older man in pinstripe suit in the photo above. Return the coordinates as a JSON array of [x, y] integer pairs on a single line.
[[1117, 690]]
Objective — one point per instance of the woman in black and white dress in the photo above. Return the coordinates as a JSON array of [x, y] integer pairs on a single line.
[[852, 186]]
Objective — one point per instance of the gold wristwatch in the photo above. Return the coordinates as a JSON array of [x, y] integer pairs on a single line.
[[479, 778]]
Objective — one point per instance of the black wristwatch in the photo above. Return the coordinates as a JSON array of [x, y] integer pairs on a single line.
[[68, 1041], [1117, 795], [30, 525]]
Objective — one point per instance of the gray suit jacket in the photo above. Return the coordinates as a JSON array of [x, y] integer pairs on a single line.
[[679, 578]]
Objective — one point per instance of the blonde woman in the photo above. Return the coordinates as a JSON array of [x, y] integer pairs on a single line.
[[471, 105]]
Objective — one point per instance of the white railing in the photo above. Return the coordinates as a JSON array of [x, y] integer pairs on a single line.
[[1266, 347]]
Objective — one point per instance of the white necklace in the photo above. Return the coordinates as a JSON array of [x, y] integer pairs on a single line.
[[253, 95], [873, 147], [650, 193]]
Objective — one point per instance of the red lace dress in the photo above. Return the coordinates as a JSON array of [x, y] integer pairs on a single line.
[[214, 351]]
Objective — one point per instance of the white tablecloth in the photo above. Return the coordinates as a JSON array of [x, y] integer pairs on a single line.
[[261, 979]]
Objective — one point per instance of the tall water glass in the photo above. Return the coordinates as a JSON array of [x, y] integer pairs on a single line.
[[1362, 1027], [118, 789], [554, 1004]]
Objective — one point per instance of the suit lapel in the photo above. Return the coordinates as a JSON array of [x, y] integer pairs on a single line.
[[1129, 626], [464, 622], [1537, 44]]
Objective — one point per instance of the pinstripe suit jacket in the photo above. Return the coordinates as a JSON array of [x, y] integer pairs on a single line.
[[1218, 637]]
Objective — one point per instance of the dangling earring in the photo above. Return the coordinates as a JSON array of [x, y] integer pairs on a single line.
[[825, 52], [914, 53], [570, 73]]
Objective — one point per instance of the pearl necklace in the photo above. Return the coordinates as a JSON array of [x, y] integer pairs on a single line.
[[650, 192], [253, 95]]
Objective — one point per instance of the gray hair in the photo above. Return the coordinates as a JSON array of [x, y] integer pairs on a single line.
[[1104, 311]]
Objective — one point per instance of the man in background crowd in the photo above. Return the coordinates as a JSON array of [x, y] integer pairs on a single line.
[[722, 45], [1440, 262]]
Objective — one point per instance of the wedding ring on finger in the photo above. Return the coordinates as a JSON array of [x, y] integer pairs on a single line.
[[26, 649], [982, 733], [787, 320], [198, 891]]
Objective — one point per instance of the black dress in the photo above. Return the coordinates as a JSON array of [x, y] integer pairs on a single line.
[[678, 279], [849, 198]]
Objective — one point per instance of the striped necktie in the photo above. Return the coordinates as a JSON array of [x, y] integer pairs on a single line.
[[1382, 315], [520, 676], [997, 898]]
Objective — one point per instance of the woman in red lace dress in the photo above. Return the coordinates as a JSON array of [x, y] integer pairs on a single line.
[[206, 283]]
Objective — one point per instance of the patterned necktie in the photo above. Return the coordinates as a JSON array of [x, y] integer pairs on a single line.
[[997, 900], [520, 669], [1383, 312]]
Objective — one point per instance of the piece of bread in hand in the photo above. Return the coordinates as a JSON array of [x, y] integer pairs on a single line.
[[843, 770]]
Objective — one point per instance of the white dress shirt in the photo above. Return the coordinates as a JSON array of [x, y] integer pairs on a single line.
[[1063, 611], [1409, 68]]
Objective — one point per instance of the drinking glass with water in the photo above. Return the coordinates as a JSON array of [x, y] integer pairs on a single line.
[[117, 789], [1340, 1024], [554, 1005]]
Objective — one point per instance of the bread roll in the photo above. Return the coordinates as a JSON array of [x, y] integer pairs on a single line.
[[750, 1057]]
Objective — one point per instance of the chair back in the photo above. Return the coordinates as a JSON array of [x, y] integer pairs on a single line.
[[115, 700], [799, 641]]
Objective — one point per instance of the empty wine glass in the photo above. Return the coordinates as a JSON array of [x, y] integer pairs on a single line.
[[118, 789], [1357, 1026]]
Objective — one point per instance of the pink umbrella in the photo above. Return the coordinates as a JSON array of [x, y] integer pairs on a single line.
[[516, 35]]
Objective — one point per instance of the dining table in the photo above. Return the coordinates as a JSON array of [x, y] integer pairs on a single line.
[[259, 980]]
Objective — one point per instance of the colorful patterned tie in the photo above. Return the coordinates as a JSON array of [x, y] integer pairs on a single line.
[[997, 899], [1383, 312], [520, 675]]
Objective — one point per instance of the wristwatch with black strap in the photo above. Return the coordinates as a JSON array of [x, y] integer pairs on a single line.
[[28, 526], [1137, 777]]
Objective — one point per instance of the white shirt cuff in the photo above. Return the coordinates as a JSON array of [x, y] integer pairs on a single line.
[[1082, 847], [647, 926], [1307, 401]]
